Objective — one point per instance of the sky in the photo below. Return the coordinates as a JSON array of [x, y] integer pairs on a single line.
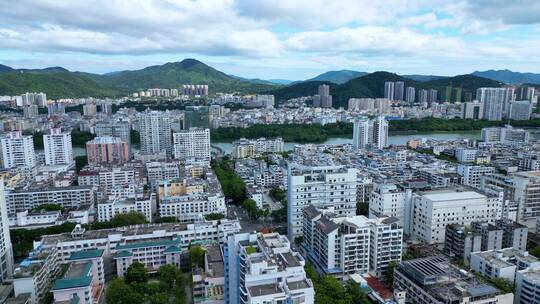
[[273, 39]]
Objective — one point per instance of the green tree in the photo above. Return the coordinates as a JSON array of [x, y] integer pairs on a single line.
[[159, 298], [389, 272], [357, 295], [251, 208], [168, 275], [535, 251], [118, 292], [214, 216], [49, 207], [121, 220], [196, 256], [136, 273], [80, 162]]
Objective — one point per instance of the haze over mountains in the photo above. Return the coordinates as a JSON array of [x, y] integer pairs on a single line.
[[58, 82]]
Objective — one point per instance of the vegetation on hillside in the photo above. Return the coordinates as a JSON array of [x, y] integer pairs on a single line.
[[329, 290]]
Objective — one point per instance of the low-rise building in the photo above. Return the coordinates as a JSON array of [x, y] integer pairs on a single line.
[[209, 283], [502, 263], [434, 280], [109, 209], [153, 254]]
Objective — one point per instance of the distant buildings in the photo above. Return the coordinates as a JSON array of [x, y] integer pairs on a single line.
[[472, 110], [321, 187], [58, 147], [263, 268], [370, 133], [155, 132], [200, 90], [506, 134], [17, 150], [114, 128], [410, 95], [262, 101], [197, 117], [323, 99], [193, 143], [389, 90], [399, 90], [520, 110], [527, 185], [243, 148], [38, 99], [496, 101], [107, 150]]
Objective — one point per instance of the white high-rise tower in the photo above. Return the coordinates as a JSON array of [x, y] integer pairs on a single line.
[[58, 148]]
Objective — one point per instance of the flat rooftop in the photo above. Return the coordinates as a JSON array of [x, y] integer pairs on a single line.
[[264, 290]]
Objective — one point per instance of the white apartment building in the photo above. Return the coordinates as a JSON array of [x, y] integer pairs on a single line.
[[262, 268], [506, 134], [36, 273], [464, 155], [527, 196], [68, 197], [520, 110], [109, 239], [109, 209], [192, 143], [159, 171], [155, 132], [370, 133], [255, 147], [17, 150], [58, 147], [342, 246], [113, 180], [6, 249], [472, 175], [153, 254], [326, 186], [387, 200], [496, 101], [472, 110], [527, 286], [192, 207], [432, 211], [502, 263]]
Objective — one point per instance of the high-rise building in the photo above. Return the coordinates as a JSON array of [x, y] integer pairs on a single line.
[[329, 186], [58, 147], [496, 101], [525, 93], [89, 109], [389, 90], [344, 245], [193, 143], [323, 99], [432, 96], [527, 188], [423, 96], [456, 94], [370, 133], [410, 95], [399, 90], [472, 110], [472, 175], [6, 249], [263, 268], [387, 200], [506, 134], [447, 97], [520, 110], [197, 117], [155, 132], [30, 111], [56, 108], [114, 128], [39, 99], [107, 150], [18, 150], [200, 90]]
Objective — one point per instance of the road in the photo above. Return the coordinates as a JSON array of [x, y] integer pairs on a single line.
[[248, 225]]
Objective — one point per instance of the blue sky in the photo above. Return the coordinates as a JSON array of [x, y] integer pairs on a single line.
[[295, 39]]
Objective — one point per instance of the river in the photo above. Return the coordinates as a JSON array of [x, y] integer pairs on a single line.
[[398, 139]]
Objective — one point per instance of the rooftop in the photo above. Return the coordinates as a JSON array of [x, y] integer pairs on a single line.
[[86, 254], [76, 276]]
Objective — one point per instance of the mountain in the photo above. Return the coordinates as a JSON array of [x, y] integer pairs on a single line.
[[337, 77], [6, 69], [509, 77], [55, 84], [174, 74], [280, 81], [468, 82], [423, 78], [372, 86]]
